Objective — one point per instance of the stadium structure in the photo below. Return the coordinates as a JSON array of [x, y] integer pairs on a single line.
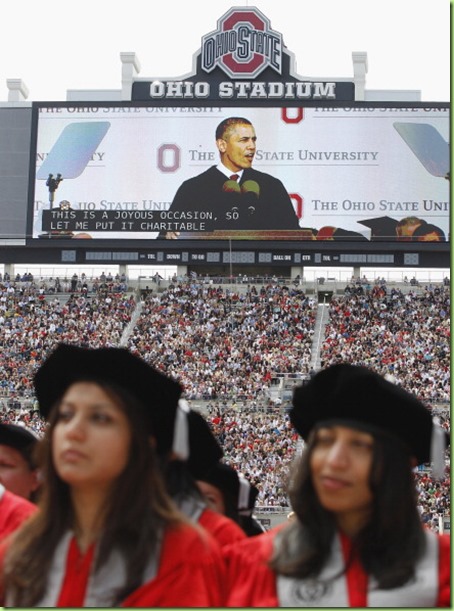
[[91, 180]]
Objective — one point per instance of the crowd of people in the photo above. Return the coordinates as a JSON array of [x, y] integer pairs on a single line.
[[223, 344], [434, 499], [74, 283], [226, 347], [32, 322], [405, 335], [136, 507], [263, 447]]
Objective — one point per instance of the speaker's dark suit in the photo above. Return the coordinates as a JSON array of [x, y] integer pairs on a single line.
[[262, 204]]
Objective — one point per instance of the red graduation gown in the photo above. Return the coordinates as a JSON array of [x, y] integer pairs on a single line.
[[222, 528], [251, 583], [13, 511], [190, 574]]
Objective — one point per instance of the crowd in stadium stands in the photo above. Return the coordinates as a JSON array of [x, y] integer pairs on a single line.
[[262, 447], [68, 285], [226, 346], [434, 498], [31, 324], [405, 335]]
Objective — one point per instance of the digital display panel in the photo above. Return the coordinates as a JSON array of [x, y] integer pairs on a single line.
[[365, 172]]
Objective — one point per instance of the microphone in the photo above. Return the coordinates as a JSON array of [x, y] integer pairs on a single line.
[[231, 186], [250, 189], [250, 186]]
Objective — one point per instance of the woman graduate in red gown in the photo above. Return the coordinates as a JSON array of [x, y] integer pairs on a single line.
[[106, 533], [356, 539]]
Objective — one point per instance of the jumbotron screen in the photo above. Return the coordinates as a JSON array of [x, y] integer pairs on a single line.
[[138, 172]]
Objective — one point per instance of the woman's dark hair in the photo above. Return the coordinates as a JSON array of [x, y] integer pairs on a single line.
[[389, 545], [178, 479], [230, 506], [137, 509]]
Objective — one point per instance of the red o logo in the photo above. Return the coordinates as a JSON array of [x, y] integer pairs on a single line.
[[298, 115], [257, 60], [297, 201]]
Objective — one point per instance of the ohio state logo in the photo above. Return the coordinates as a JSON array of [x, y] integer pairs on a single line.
[[243, 45]]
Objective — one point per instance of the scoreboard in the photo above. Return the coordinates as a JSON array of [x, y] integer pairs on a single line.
[[353, 173]]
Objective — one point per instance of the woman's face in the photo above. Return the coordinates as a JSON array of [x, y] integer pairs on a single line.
[[340, 464], [213, 495], [91, 438]]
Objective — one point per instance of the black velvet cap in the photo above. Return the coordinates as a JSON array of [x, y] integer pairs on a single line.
[[253, 494], [16, 436], [157, 394], [225, 478], [352, 395], [204, 449]]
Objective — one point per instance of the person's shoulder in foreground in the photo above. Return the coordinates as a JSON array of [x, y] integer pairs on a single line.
[[222, 528], [14, 510], [251, 582], [191, 573]]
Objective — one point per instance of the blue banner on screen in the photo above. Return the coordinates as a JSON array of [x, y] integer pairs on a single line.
[[315, 173]]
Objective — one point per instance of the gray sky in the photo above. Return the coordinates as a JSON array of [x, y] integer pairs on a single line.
[[54, 46]]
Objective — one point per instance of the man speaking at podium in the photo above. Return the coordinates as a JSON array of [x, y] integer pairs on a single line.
[[239, 197]]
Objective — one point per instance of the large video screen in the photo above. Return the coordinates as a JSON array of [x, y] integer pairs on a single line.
[[360, 173]]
